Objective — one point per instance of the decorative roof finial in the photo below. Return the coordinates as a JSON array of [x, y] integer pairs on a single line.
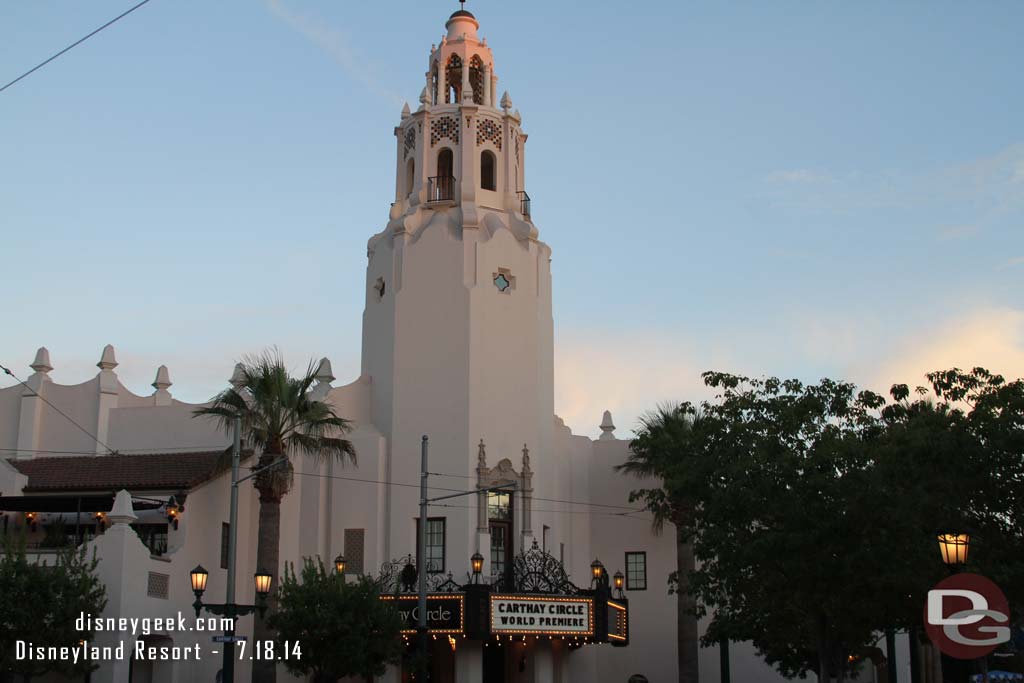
[[238, 377], [607, 426], [163, 379], [324, 373], [526, 460], [107, 360], [481, 454], [42, 362], [424, 98], [506, 102], [123, 511], [406, 111]]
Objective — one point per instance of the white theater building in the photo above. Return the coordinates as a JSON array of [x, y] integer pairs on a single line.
[[457, 345]]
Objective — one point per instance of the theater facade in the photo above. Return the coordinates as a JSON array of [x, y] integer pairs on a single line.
[[457, 344]]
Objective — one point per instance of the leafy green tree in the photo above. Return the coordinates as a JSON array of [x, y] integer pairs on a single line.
[[814, 508], [782, 561], [39, 604], [280, 419], [668, 444], [344, 628]]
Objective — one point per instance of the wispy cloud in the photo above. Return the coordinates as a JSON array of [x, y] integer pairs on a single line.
[[992, 338], [1012, 263], [957, 232], [336, 44], [799, 176], [993, 183], [626, 373]]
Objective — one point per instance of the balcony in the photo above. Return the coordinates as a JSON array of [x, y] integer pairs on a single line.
[[440, 189], [524, 203]]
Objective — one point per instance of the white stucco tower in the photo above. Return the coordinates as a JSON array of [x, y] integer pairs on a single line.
[[457, 330]]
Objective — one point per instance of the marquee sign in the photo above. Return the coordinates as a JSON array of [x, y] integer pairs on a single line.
[[618, 622], [445, 613], [536, 615]]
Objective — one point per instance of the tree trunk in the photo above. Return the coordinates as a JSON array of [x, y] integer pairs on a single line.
[[688, 647], [824, 652], [267, 559]]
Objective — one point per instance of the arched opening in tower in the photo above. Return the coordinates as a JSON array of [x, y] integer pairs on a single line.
[[476, 79], [453, 80]]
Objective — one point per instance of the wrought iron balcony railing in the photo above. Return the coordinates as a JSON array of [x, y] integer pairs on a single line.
[[440, 188], [524, 203]]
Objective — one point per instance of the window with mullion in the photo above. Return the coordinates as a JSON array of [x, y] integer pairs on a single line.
[[435, 544], [636, 571]]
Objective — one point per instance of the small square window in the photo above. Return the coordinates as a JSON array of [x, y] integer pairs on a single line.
[[504, 281], [636, 571]]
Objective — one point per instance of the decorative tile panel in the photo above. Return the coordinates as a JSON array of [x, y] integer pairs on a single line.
[[488, 130], [444, 127]]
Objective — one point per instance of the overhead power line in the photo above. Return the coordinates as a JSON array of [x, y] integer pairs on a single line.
[[74, 44], [61, 412]]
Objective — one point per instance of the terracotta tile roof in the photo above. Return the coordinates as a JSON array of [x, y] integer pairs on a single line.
[[112, 472]]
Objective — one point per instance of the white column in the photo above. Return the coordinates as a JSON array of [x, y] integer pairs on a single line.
[[393, 674], [469, 661], [486, 85], [467, 91], [543, 668], [108, 388], [442, 80]]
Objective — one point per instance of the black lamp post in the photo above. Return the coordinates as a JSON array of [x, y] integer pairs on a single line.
[[619, 581], [339, 564], [232, 611], [477, 563]]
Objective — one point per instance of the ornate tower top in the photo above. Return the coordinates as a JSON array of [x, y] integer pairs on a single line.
[[463, 147]]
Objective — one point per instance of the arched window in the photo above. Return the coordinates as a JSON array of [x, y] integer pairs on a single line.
[[476, 78], [488, 171], [410, 176], [445, 163], [453, 80], [442, 186]]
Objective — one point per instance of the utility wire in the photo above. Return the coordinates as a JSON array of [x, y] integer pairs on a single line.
[[198, 449], [395, 483], [77, 42], [66, 416]]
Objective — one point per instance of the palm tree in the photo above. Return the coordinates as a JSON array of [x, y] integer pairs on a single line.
[[279, 420], [664, 448]]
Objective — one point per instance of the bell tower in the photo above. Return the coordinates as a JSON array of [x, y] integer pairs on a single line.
[[457, 328]]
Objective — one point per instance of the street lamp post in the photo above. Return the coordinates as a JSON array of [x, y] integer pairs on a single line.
[[339, 564], [230, 610], [477, 561], [263, 580], [955, 547]]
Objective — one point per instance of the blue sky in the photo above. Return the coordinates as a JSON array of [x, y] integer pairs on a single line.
[[792, 188]]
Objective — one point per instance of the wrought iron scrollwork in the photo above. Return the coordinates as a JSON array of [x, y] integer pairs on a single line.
[[402, 576], [537, 571]]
